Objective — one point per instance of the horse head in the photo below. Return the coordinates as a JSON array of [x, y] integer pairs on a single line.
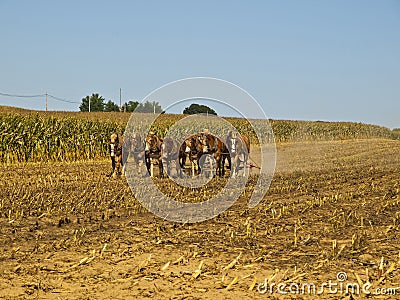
[[169, 147], [138, 143], [153, 143]]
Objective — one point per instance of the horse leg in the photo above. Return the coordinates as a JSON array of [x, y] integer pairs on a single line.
[[219, 164], [117, 166], [120, 165], [208, 167], [235, 166], [222, 165], [224, 157], [177, 167], [123, 165], [198, 165], [221, 169], [180, 169], [160, 168], [218, 160], [143, 162], [213, 168], [147, 160], [182, 160], [151, 168], [112, 166], [166, 164], [245, 163], [138, 162]]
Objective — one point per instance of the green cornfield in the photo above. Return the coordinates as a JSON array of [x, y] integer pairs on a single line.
[[36, 138], [30, 136]]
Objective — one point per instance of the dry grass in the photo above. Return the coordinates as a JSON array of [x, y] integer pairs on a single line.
[[70, 232]]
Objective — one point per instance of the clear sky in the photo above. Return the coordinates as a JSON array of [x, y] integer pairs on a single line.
[[308, 59]]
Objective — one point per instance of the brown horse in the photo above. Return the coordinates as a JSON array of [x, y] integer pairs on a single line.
[[153, 153], [115, 150], [170, 154], [239, 149], [194, 150], [136, 150], [213, 146]]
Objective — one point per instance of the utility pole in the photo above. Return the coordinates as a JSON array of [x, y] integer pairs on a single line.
[[47, 101], [89, 103], [120, 99], [154, 107]]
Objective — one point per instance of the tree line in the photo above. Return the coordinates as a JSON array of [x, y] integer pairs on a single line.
[[95, 102]]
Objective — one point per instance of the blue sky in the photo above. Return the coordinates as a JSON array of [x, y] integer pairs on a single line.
[[308, 60]]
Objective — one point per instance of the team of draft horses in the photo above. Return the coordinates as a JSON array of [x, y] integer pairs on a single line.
[[171, 156]]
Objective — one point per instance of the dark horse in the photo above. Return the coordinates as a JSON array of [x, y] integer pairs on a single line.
[[115, 150], [171, 155], [136, 151], [194, 150], [153, 153]]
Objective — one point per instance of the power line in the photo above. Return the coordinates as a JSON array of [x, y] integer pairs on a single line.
[[22, 96], [61, 99], [39, 95]]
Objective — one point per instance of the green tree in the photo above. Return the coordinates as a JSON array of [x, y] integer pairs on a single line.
[[149, 107], [111, 106], [96, 103], [130, 106], [198, 109]]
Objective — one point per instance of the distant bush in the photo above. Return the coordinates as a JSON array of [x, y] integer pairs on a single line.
[[396, 133]]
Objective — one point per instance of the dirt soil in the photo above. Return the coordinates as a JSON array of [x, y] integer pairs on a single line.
[[70, 232]]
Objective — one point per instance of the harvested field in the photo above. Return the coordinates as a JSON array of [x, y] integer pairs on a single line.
[[70, 232]]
